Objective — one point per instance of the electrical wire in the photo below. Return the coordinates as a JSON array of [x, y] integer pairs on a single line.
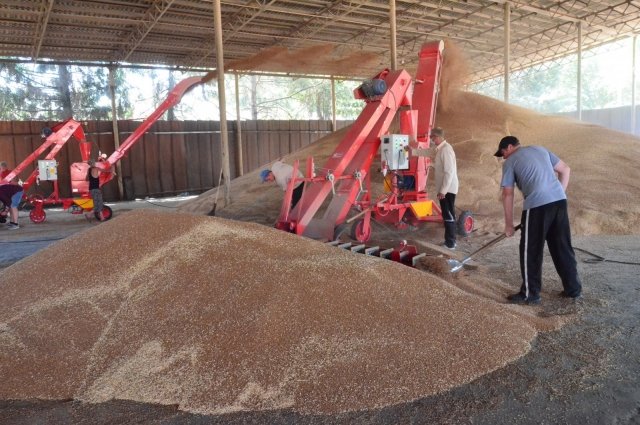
[[598, 259], [163, 206]]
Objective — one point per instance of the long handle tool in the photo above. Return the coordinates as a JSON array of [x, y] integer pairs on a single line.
[[456, 265]]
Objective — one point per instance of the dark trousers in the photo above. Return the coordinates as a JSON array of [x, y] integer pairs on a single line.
[[296, 195], [548, 223], [448, 207]]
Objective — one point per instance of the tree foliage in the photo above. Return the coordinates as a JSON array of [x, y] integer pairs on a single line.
[[57, 92], [552, 87]]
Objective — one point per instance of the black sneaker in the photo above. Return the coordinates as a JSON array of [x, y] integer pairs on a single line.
[[519, 298], [452, 247], [572, 297]]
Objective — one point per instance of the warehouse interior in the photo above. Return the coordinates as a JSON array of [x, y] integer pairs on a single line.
[[198, 310]]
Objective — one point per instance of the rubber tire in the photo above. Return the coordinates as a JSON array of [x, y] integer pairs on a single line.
[[465, 224], [339, 230], [107, 213], [356, 231], [37, 218]]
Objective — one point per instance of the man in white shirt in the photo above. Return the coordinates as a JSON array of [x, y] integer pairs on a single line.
[[446, 184], [281, 174]]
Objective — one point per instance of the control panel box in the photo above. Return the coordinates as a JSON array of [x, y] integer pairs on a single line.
[[47, 169], [394, 149]]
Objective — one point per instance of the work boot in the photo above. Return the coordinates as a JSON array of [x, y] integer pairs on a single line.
[[519, 298], [451, 247]]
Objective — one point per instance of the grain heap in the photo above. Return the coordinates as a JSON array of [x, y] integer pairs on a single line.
[[219, 316]]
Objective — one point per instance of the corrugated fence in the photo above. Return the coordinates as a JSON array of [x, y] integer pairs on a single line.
[[173, 157]]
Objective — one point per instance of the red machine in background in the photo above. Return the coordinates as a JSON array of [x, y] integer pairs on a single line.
[[56, 137], [404, 161]]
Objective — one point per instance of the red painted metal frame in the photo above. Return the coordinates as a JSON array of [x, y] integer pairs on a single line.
[[61, 134], [70, 128], [346, 174], [173, 98]]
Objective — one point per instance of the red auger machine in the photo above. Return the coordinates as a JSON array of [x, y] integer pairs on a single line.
[[404, 160], [56, 137]]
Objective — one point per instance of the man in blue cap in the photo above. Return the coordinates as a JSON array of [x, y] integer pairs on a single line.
[[281, 174]]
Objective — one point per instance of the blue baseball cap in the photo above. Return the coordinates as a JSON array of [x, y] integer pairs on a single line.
[[264, 174]]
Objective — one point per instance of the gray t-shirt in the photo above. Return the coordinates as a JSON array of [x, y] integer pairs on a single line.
[[531, 169]]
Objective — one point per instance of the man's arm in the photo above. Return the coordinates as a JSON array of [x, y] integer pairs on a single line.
[[564, 172], [507, 204]]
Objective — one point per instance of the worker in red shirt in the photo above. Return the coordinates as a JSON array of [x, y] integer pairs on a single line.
[[4, 170], [10, 196]]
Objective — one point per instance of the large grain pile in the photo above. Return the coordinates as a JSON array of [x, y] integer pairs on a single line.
[[219, 316]]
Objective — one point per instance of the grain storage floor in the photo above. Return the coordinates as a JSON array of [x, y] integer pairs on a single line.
[[585, 373]]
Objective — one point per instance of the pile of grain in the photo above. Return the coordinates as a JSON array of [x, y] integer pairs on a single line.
[[219, 316]]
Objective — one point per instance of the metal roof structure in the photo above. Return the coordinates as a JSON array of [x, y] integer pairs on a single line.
[[299, 36]]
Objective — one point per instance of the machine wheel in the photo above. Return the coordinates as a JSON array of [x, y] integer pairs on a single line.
[[358, 233], [465, 223], [107, 213], [3, 213], [339, 230], [37, 215]]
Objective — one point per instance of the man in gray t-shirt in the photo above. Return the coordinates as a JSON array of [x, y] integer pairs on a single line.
[[544, 216]]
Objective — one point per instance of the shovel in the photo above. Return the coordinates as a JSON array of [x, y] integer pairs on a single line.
[[456, 265]]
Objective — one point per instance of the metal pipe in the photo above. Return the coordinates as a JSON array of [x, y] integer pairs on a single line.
[[392, 29], [333, 105], [224, 136], [579, 71], [116, 132], [633, 85], [239, 165], [507, 43]]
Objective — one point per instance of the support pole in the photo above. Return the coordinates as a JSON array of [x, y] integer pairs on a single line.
[[224, 136], [392, 21], [633, 84], [507, 52], [116, 131], [579, 72], [333, 104], [239, 165]]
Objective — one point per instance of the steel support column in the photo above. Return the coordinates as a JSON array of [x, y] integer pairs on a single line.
[[579, 74], [239, 159], [633, 84], [116, 130], [224, 136], [392, 22], [507, 52], [333, 104]]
